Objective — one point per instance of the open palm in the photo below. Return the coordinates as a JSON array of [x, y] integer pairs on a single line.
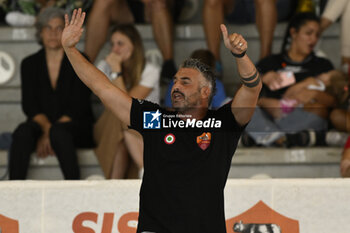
[[73, 29]]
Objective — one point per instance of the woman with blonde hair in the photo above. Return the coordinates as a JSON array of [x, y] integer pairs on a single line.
[[126, 68]]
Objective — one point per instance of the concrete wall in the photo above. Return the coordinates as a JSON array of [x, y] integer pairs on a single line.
[[292, 206]]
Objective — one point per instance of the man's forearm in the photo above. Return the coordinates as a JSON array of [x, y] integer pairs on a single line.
[[246, 98], [245, 66], [112, 97], [250, 77]]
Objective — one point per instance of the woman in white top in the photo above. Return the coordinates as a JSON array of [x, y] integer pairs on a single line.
[[127, 68]]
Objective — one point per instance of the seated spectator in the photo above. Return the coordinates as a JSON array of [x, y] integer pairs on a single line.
[[333, 10], [208, 58], [161, 13], [294, 64], [263, 12], [127, 69], [55, 101]]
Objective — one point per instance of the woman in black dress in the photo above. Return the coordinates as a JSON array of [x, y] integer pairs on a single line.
[[55, 101]]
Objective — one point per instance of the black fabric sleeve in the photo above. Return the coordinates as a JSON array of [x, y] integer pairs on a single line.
[[229, 120], [136, 113], [325, 65], [29, 89], [265, 65]]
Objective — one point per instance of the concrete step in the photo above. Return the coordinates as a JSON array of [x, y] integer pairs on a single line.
[[318, 162], [315, 162], [48, 168]]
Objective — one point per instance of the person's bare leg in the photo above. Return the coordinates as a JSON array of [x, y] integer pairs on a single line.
[[97, 27], [317, 109], [340, 119], [213, 16], [158, 12], [266, 20], [120, 163], [162, 26], [102, 14], [134, 144]]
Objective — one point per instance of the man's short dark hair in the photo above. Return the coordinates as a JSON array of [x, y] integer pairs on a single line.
[[205, 70]]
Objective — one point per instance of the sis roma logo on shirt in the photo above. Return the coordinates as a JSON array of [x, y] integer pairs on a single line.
[[157, 120]]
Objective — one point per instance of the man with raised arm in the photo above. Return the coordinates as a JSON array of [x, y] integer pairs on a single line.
[[187, 152]]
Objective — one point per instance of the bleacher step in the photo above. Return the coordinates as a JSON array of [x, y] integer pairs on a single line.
[[317, 162]]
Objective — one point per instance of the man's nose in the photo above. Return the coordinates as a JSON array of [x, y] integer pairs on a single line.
[[175, 88]]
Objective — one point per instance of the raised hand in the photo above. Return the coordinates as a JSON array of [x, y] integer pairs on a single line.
[[73, 29], [234, 42]]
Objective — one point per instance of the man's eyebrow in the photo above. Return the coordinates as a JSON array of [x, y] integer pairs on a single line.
[[185, 78], [182, 78]]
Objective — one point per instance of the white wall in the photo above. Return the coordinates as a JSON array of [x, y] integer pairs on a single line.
[[309, 205]]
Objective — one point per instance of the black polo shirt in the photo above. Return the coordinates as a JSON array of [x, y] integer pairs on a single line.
[[186, 164]]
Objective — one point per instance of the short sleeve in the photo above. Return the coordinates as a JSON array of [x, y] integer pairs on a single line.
[[229, 120], [138, 107], [325, 65], [150, 76], [266, 64]]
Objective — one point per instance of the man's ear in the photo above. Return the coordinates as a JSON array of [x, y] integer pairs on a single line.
[[205, 92]]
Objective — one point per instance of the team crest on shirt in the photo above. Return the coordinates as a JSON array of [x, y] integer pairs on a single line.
[[203, 140], [169, 138]]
